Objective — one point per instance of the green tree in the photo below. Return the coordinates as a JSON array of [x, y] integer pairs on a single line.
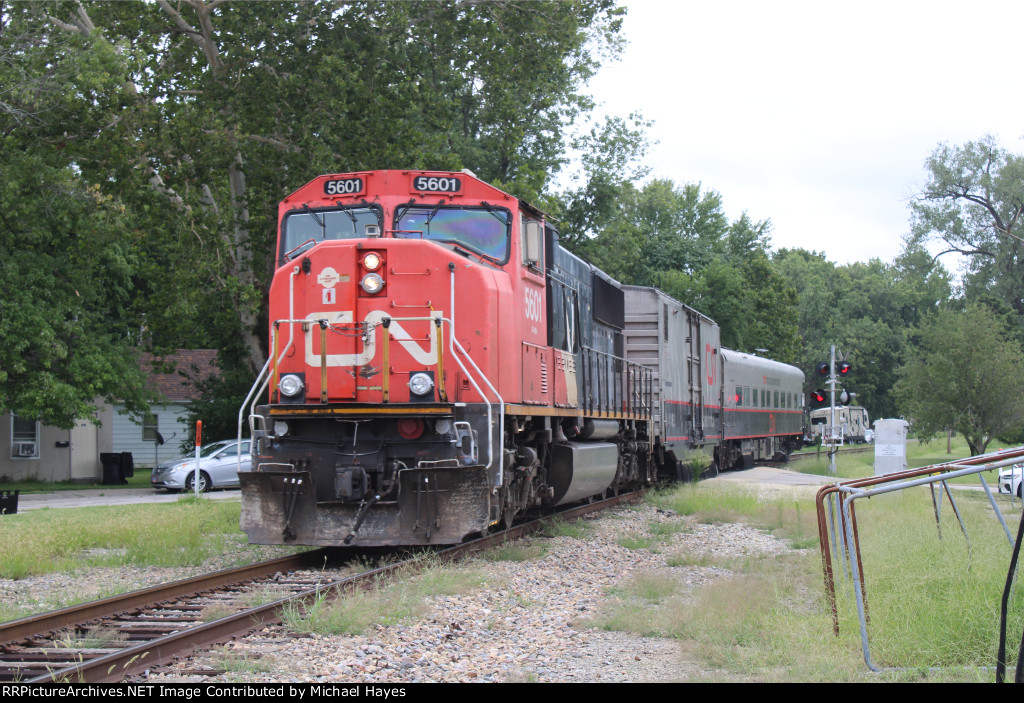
[[964, 373], [972, 204], [610, 159], [865, 309], [228, 106], [192, 119], [679, 239], [66, 269]]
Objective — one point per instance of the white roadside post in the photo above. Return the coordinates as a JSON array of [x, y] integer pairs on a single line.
[[199, 442]]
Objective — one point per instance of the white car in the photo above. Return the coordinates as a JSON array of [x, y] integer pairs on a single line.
[[1010, 479], [218, 468]]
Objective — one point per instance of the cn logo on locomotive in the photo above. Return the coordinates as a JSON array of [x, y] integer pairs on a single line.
[[398, 333]]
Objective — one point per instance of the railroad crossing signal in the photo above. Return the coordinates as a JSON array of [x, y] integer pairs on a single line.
[[833, 370]]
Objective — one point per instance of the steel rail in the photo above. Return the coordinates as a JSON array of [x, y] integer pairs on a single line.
[[66, 617], [131, 661]]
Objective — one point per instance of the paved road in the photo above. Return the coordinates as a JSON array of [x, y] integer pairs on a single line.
[[109, 496], [768, 475]]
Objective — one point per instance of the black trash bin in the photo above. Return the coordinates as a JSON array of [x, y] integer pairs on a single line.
[[112, 472], [127, 465], [9, 502]]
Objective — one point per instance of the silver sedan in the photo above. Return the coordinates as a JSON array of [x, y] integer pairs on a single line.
[[218, 468]]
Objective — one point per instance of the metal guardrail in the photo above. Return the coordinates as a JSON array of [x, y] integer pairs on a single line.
[[837, 520]]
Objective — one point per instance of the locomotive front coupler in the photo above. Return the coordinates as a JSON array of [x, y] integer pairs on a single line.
[[360, 517]]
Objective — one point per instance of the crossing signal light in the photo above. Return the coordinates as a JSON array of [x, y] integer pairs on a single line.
[[843, 368], [845, 397], [818, 396], [823, 368]]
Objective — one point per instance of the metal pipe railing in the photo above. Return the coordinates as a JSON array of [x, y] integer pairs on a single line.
[[849, 544]]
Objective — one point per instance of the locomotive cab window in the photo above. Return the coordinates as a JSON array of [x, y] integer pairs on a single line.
[[484, 230], [301, 226]]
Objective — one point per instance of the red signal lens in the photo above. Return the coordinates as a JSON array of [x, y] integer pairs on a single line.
[[410, 427]]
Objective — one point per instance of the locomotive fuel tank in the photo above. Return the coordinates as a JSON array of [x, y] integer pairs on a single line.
[[579, 470]]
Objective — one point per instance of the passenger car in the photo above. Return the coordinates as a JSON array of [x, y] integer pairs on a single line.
[[1010, 479], [218, 468]]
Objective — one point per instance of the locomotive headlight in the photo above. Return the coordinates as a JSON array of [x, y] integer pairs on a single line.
[[372, 283], [443, 426], [371, 262], [290, 385], [280, 428], [421, 384]]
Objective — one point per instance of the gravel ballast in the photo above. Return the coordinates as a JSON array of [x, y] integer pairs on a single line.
[[528, 622]]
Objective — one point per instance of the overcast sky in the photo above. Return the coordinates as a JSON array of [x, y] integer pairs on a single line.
[[817, 115]]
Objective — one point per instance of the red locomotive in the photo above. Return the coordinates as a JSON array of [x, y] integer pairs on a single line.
[[439, 365]]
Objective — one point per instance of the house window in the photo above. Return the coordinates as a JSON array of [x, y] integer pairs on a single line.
[[24, 438], [149, 426]]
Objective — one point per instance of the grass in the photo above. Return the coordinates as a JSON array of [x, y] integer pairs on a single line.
[[389, 602], [637, 541], [689, 559], [216, 611], [239, 662], [96, 638], [184, 533], [520, 550], [790, 518], [861, 464], [139, 480], [557, 527], [262, 595], [932, 602]]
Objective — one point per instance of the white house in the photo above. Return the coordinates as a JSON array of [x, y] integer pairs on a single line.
[[51, 454]]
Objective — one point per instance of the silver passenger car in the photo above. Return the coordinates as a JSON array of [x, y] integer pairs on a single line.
[[218, 468]]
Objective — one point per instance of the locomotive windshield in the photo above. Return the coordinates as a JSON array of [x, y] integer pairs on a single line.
[[484, 230], [300, 226]]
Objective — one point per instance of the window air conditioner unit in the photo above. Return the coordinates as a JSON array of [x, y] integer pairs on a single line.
[[26, 448]]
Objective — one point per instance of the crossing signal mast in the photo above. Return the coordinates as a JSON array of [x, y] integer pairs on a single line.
[[832, 433]]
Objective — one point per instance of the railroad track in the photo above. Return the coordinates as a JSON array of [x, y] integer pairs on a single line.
[[146, 629]]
